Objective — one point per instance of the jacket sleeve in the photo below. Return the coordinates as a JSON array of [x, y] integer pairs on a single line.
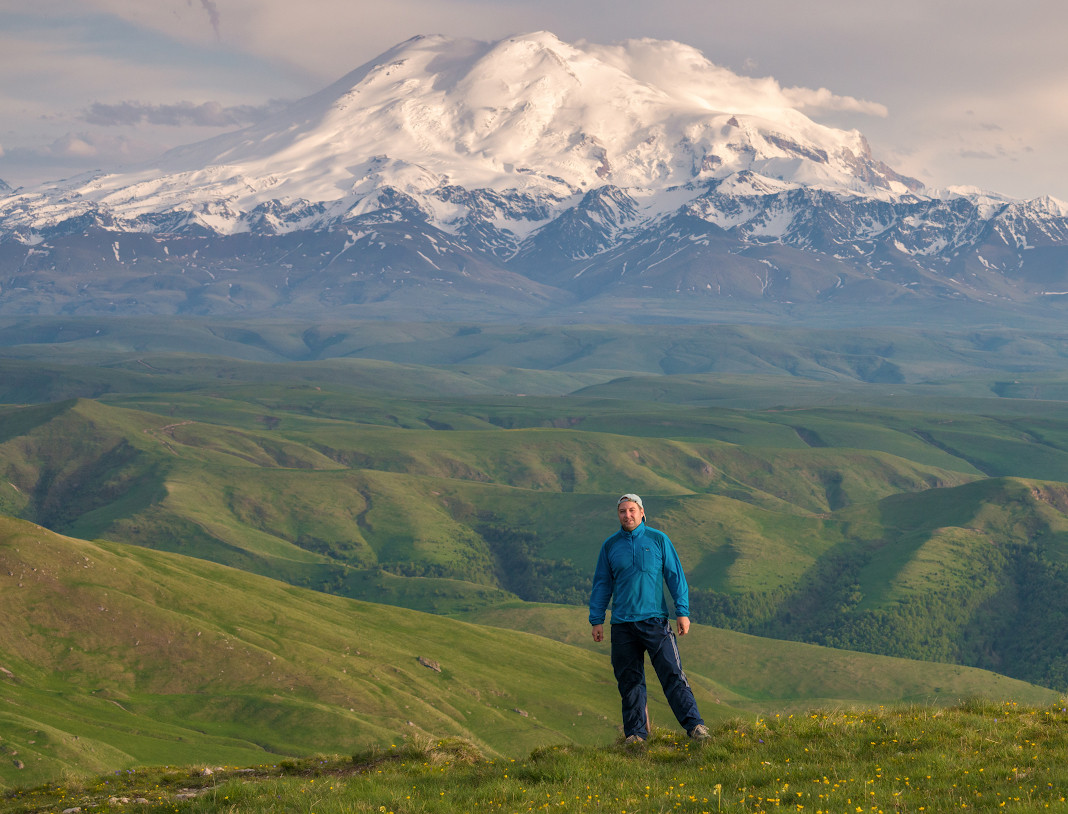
[[676, 579], [603, 585]]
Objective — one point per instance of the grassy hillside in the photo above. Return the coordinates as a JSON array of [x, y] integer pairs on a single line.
[[873, 529], [891, 492], [973, 574], [276, 488], [978, 756], [115, 656], [753, 672], [867, 354]]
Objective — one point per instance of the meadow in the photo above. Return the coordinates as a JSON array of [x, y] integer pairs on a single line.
[[243, 544], [932, 535], [975, 756], [116, 656]]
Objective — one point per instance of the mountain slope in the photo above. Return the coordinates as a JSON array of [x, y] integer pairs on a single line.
[[536, 178], [786, 519], [972, 574], [125, 655], [114, 656], [331, 500], [530, 116]]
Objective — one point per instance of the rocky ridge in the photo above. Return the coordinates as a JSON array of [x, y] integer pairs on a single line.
[[527, 178]]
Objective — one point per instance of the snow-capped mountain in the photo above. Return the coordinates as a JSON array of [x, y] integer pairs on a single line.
[[519, 177]]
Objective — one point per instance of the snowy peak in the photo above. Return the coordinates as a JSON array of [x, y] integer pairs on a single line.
[[513, 176], [530, 114]]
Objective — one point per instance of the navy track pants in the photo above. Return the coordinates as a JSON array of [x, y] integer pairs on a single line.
[[630, 642]]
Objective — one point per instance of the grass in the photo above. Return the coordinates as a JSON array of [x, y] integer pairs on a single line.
[[370, 496], [977, 756], [386, 479], [752, 673], [116, 656], [833, 354], [116, 650], [320, 490]]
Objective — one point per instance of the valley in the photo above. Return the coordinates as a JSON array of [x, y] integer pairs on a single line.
[[204, 521]]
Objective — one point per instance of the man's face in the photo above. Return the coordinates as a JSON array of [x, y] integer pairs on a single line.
[[630, 515]]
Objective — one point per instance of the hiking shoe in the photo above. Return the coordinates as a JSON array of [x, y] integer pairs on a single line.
[[634, 740], [700, 733]]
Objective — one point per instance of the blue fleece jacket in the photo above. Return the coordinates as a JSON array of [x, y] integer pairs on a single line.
[[632, 568]]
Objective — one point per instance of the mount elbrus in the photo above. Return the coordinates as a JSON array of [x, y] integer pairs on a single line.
[[528, 178]]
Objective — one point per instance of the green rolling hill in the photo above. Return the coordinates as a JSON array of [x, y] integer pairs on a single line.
[[114, 656], [811, 524], [282, 490], [869, 354], [904, 495]]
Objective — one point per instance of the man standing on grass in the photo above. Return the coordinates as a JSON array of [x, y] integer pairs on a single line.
[[632, 568]]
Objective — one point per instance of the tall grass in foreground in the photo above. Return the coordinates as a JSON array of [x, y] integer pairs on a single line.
[[978, 756]]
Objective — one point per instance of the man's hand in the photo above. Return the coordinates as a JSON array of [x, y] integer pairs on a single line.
[[598, 633], [684, 625]]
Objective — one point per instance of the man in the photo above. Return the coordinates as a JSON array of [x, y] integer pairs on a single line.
[[632, 568]]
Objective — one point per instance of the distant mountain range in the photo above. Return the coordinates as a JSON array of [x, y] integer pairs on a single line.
[[530, 178]]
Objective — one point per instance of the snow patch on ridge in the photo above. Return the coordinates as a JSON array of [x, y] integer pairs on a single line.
[[530, 115]]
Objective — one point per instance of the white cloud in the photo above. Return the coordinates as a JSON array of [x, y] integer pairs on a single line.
[[73, 146], [824, 100], [205, 114], [690, 74]]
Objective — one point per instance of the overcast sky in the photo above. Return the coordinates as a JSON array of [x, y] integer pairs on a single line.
[[955, 92]]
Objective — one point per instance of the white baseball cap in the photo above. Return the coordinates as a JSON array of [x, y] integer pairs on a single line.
[[631, 497]]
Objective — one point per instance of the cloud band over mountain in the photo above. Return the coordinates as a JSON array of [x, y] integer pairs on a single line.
[[205, 114]]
